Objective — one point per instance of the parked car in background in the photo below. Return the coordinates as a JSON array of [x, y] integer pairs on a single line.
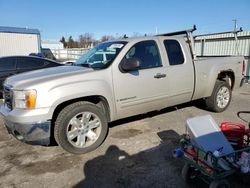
[[37, 54], [17, 64]]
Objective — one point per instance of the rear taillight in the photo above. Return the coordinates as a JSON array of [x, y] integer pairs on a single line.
[[243, 67]]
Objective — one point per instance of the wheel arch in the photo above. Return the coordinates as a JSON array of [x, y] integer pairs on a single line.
[[100, 101], [228, 76]]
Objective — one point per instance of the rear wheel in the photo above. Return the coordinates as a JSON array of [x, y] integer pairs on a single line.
[[80, 127], [220, 98]]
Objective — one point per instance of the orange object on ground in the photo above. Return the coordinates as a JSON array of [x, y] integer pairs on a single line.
[[235, 133]]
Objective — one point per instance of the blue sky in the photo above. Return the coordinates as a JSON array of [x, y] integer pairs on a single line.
[[57, 18]]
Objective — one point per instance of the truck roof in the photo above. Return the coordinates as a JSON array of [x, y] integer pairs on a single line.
[[135, 39], [176, 34]]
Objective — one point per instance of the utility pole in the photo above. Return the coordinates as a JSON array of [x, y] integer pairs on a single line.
[[156, 30], [236, 38], [235, 24]]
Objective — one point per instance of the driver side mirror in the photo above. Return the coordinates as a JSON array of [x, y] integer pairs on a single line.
[[131, 64]]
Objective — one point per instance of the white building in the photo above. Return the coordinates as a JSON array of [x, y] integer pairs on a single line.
[[224, 44], [53, 45], [218, 44], [19, 41]]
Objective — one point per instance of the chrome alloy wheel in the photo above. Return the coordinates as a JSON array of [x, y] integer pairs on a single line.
[[84, 129], [223, 97]]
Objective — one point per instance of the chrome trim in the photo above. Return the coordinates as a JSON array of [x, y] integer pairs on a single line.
[[37, 133], [8, 96]]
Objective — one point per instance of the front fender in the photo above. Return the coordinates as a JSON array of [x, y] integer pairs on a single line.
[[66, 92]]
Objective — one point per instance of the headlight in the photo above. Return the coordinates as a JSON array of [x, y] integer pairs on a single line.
[[24, 99]]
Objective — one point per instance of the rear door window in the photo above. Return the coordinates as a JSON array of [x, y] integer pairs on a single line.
[[30, 63], [174, 52], [7, 64]]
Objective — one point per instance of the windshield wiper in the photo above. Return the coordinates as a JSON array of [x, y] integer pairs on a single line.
[[85, 65]]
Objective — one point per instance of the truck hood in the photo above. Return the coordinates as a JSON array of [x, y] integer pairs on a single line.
[[24, 80]]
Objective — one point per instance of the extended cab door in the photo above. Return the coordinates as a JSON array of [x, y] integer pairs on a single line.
[[145, 89], [179, 70]]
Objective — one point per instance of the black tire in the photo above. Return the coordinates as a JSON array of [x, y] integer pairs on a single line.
[[219, 184], [63, 122], [189, 173], [211, 102]]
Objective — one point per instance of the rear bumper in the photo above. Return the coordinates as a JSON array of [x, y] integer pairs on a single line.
[[35, 133], [244, 80]]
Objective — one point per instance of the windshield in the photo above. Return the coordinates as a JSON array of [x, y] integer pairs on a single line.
[[101, 56]]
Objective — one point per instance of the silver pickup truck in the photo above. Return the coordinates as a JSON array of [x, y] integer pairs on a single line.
[[114, 80]]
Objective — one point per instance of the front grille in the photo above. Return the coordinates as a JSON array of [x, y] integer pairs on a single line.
[[8, 97]]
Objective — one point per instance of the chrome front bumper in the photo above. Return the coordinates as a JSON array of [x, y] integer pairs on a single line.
[[36, 133]]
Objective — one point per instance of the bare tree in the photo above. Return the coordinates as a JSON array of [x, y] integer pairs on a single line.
[[86, 40], [106, 38]]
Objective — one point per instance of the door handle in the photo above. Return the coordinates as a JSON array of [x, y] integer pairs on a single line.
[[159, 75]]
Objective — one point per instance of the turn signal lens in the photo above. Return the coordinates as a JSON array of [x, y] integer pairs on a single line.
[[30, 98], [24, 99]]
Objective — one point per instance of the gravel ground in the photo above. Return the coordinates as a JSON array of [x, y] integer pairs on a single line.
[[136, 153]]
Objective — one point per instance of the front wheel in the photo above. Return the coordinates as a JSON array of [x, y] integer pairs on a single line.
[[220, 98], [80, 127]]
